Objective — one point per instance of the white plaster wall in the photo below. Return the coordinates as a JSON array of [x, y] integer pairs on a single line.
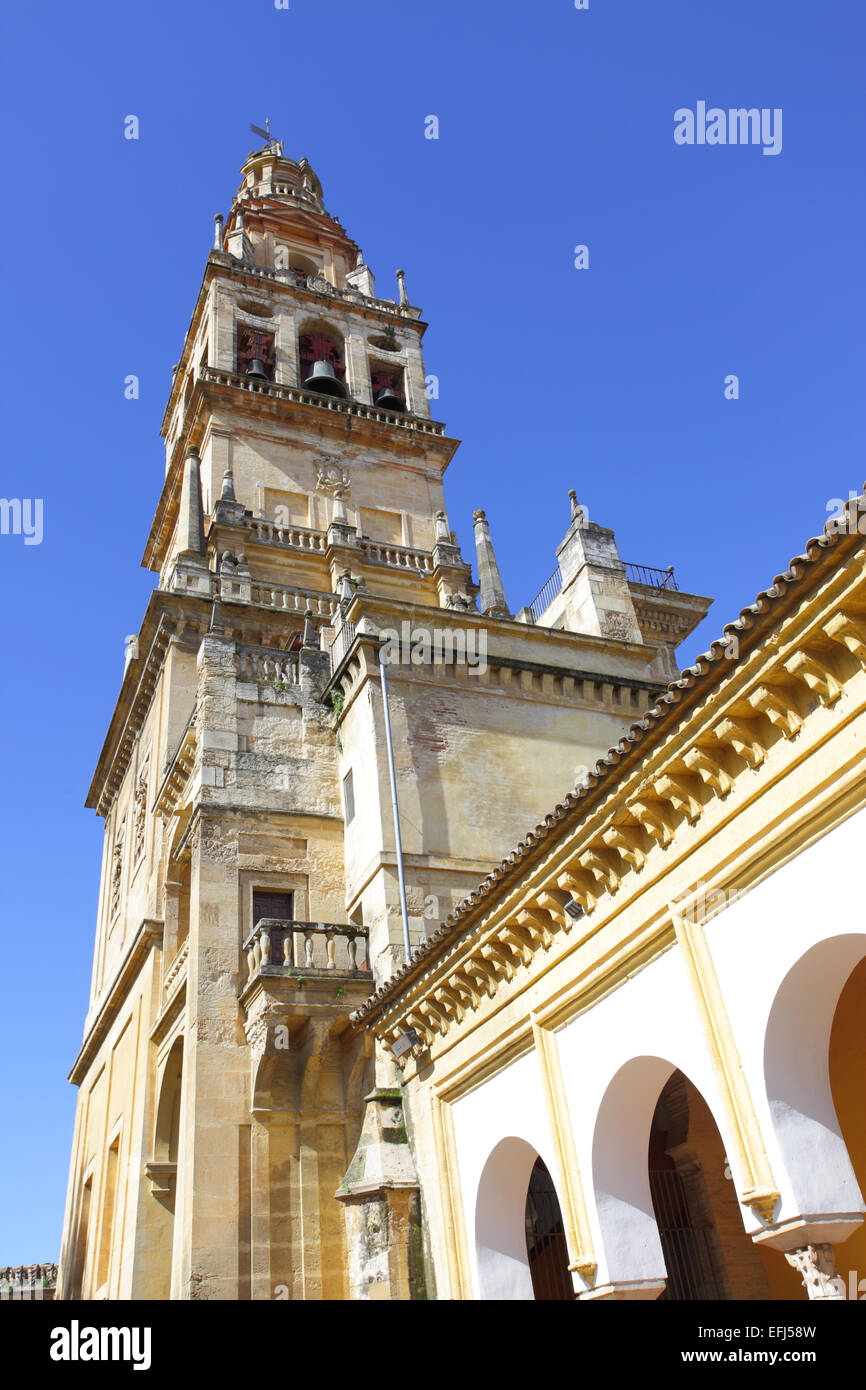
[[618, 1055], [510, 1104], [755, 943]]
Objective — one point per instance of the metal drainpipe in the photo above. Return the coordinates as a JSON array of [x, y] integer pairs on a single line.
[[389, 742]]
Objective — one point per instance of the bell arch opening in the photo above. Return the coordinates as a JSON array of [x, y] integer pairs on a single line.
[[322, 361]]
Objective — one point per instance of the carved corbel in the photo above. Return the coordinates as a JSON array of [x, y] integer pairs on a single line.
[[519, 940], [422, 1027], [434, 1016], [499, 958], [482, 971], [539, 925], [708, 765], [553, 900], [779, 707], [849, 630], [581, 887], [743, 737], [655, 819], [816, 673], [603, 866], [450, 1002], [629, 841], [681, 790], [464, 990]]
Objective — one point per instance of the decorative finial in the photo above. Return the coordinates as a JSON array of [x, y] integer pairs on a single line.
[[228, 487], [218, 231], [401, 286]]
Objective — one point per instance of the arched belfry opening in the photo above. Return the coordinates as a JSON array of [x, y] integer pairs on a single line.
[[707, 1253], [545, 1239]]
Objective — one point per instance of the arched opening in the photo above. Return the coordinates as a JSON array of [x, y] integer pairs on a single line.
[[847, 1065], [546, 1245], [814, 1071], [322, 360], [387, 384], [157, 1239], [167, 1135], [707, 1252], [671, 1223], [520, 1244], [256, 353]]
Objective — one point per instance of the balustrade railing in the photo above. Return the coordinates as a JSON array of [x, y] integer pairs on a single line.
[[285, 597], [298, 537], [256, 387], [294, 600], [267, 667], [403, 556], [277, 946]]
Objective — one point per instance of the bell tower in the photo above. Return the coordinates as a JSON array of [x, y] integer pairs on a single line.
[[304, 397], [237, 1135]]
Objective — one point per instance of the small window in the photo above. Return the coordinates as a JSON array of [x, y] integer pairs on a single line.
[[349, 797], [268, 904]]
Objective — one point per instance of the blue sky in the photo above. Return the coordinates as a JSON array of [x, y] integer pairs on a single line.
[[555, 129]]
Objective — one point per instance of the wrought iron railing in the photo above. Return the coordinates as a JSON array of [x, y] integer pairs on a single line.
[[687, 1245], [545, 596], [651, 577]]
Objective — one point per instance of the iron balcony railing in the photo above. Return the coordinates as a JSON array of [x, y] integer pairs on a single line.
[[651, 577], [545, 596]]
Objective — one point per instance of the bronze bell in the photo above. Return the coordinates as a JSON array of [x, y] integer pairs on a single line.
[[257, 369], [388, 399], [323, 378]]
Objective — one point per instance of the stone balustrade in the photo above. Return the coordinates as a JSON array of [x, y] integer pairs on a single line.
[[279, 947], [411, 423], [293, 600], [267, 667], [298, 537], [399, 556]]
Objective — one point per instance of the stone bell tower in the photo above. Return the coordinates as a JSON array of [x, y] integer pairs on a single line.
[[236, 1135]]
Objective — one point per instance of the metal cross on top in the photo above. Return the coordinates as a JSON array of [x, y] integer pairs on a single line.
[[266, 133]]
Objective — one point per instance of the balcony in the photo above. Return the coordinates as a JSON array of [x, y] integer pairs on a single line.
[[650, 577], [282, 948]]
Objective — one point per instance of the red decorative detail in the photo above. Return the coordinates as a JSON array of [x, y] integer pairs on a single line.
[[379, 379], [252, 343], [315, 347]]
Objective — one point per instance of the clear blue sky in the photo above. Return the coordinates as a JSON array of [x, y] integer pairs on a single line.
[[556, 129]]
